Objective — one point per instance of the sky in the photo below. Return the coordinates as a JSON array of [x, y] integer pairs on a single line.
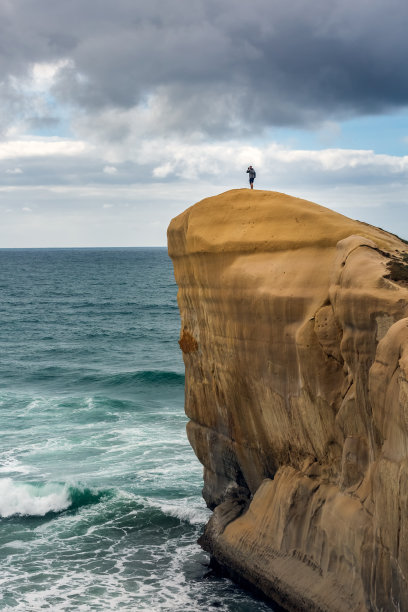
[[117, 115]]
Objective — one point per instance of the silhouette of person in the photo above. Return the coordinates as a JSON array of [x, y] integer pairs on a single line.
[[252, 176]]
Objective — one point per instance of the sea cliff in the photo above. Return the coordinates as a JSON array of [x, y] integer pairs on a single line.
[[295, 341]]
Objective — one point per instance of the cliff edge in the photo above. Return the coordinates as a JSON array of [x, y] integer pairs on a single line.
[[295, 341]]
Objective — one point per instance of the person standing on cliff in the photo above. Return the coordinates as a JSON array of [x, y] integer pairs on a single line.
[[252, 175]]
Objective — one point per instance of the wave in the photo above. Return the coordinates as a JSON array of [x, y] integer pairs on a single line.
[[185, 512], [188, 509], [124, 379], [24, 499], [121, 381]]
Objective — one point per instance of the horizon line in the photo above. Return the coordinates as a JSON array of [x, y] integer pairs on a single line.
[[81, 247]]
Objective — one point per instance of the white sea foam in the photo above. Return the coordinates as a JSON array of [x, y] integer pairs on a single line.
[[19, 499], [186, 511], [191, 510], [10, 464], [33, 405]]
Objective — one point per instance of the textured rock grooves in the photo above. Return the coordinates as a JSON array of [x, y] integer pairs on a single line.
[[295, 342]]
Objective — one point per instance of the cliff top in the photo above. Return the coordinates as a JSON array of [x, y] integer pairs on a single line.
[[241, 219]]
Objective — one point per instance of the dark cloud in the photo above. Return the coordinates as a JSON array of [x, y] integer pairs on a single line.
[[216, 65]]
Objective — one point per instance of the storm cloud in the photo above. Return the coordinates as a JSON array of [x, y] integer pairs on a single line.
[[115, 116], [211, 66]]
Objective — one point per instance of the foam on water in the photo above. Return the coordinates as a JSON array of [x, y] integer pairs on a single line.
[[9, 464], [189, 509]]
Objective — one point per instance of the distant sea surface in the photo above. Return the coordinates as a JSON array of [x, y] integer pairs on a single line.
[[100, 492]]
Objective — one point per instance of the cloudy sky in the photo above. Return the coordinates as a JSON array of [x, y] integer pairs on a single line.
[[117, 115]]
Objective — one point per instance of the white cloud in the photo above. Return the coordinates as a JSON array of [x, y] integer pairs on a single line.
[[110, 170], [189, 160], [43, 74], [39, 78], [41, 147], [14, 171], [160, 177], [132, 135], [164, 170]]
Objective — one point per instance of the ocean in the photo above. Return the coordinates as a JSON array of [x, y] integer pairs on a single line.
[[100, 492]]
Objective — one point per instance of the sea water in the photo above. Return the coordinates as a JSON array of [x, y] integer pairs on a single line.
[[100, 492]]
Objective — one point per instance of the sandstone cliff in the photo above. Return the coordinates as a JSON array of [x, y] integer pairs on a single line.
[[295, 342]]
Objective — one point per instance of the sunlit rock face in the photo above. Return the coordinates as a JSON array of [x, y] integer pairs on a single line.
[[295, 341]]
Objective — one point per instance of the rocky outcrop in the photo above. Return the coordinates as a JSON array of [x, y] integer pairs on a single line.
[[295, 341]]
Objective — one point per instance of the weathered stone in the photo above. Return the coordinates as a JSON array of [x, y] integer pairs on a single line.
[[295, 342]]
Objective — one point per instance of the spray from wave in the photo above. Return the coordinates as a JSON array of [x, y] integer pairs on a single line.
[[22, 499]]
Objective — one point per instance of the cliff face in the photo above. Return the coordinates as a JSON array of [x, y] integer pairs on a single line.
[[295, 341]]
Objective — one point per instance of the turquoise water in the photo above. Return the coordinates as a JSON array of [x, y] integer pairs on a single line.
[[100, 492]]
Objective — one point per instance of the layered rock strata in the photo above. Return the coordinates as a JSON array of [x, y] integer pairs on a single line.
[[295, 341]]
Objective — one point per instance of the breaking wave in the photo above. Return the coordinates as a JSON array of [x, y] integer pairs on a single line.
[[187, 510], [23, 499]]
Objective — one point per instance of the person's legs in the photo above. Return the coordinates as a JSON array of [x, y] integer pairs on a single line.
[[251, 182]]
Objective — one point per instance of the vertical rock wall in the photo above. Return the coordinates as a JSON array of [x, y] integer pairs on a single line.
[[295, 340]]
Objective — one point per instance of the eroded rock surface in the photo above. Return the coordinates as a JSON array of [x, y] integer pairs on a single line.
[[295, 342]]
